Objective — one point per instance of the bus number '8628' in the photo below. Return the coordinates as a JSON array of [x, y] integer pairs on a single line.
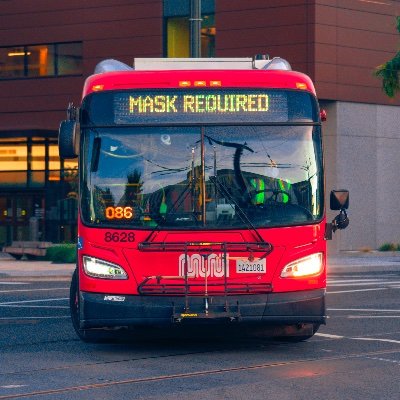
[[119, 237]]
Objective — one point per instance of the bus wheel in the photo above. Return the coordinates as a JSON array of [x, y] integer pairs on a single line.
[[299, 337], [84, 334]]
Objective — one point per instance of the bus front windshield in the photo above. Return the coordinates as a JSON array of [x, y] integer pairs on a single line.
[[202, 177]]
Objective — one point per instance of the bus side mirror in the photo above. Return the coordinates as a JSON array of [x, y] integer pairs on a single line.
[[68, 139], [339, 201]]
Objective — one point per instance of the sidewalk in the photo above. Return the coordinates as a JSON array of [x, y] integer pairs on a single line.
[[11, 269], [357, 261]]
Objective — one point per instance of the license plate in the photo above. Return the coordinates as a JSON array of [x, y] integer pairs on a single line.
[[251, 267]]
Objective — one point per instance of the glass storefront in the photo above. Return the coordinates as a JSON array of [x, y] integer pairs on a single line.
[[38, 191]]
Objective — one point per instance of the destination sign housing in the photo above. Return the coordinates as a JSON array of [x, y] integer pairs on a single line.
[[201, 106]]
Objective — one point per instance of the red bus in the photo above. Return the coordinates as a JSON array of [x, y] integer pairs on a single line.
[[201, 196]]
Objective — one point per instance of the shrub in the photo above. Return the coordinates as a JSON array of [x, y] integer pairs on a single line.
[[62, 253], [389, 247], [365, 249]]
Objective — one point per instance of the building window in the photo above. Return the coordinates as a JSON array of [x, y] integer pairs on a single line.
[[31, 162], [13, 162], [55, 59], [208, 32], [40, 60], [38, 191], [178, 36], [69, 59]]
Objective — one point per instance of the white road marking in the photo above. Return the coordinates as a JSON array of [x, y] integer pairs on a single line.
[[14, 283], [32, 290], [362, 309], [21, 306], [357, 338], [366, 283], [372, 316], [33, 301], [329, 336], [357, 290], [378, 340], [384, 359], [364, 276], [330, 281], [20, 318], [12, 386]]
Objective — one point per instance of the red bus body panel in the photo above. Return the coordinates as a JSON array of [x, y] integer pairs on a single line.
[[289, 243]]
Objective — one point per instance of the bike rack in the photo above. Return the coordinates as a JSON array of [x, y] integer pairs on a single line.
[[161, 285]]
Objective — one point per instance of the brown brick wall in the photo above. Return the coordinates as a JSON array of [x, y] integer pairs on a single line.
[[337, 42], [121, 29], [276, 27], [352, 37]]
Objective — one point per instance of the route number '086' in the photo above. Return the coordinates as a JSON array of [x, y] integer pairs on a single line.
[[119, 213]]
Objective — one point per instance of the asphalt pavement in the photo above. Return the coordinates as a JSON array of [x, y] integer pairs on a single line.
[[11, 269]]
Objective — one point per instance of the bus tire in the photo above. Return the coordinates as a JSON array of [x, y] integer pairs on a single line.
[[84, 334]]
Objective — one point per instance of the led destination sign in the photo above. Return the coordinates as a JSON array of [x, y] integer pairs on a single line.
[[199, 103], [201, 106]]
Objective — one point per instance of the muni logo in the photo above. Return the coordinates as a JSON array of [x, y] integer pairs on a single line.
[[198, 266]]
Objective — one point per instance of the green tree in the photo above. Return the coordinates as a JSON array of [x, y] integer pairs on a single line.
[[389, 72]]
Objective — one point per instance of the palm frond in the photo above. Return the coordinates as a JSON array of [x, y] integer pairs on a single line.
[[389, 72]]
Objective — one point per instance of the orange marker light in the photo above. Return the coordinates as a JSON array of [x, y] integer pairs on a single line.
[[301, 85], [185, 83], [200, 83], [97, 88], [215, 83]]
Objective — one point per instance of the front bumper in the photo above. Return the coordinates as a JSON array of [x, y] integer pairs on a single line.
[[103, 310]]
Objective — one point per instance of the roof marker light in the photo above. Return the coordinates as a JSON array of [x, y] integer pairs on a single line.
[[97, 88], [215, 83], [185, 83], [301, 85], [200, 83]]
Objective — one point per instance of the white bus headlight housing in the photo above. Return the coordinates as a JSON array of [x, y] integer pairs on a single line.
[[103, 269], [306, 266]]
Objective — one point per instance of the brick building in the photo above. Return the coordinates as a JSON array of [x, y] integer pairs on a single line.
[[48, 48]]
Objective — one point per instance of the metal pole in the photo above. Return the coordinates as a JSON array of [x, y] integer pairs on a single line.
[[195, 28]]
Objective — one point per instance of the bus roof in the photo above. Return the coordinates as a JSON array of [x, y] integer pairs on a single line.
[[203, 73]]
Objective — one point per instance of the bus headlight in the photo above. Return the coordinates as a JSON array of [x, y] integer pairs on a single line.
[[103, 269], [306, 266]]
